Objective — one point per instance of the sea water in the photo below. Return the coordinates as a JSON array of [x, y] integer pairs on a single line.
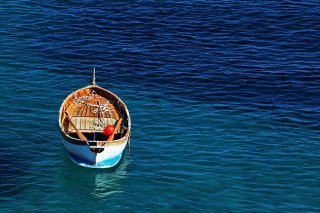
[[223, 95]]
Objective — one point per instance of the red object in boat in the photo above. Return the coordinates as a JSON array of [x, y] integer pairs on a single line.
[[108, 130]]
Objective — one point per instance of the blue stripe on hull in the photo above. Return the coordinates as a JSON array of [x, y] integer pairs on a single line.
[[107, 163]]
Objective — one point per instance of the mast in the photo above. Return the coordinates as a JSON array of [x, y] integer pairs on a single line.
[[93, 81]]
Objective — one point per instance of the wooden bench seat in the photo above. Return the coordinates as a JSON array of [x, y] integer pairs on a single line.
[[90, 124]]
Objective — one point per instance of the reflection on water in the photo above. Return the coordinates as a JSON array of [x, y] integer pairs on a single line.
[[107, 183], [77, 181]]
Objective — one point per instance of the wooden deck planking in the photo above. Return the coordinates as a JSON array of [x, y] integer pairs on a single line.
[[71, 108], [84, 118], [84, 111], [89, 111], [76, 110]]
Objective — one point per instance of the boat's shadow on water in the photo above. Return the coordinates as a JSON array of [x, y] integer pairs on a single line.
[[94, 183]]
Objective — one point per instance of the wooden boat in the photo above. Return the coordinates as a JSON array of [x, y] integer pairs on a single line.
[[84, 117]]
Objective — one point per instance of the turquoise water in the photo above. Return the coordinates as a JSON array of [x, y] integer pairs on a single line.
[[223, 95]]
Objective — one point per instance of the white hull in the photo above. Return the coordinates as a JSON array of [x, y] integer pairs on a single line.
[[82, 155]]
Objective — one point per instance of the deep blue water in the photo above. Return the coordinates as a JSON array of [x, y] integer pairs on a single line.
[[224, 98]]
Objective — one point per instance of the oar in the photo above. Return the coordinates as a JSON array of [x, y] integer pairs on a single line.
[[80, 135], [115, 130]]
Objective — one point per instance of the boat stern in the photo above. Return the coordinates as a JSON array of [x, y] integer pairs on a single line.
[[106, 163], [84, 156]]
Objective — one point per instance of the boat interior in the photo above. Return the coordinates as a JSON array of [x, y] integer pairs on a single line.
[[91, 109]]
